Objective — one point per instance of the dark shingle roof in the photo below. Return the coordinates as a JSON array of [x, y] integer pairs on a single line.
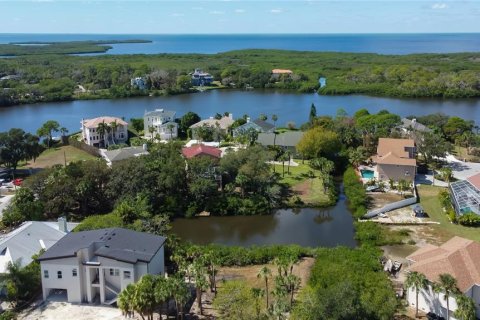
[[115, 243], [124, 153], [286, 139], [160, 113], [264, 125]]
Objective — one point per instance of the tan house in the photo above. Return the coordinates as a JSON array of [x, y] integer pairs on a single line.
[[458, 257], [218, 126], [395, 159]]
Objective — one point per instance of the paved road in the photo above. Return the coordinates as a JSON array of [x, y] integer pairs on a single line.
[[462, 170]]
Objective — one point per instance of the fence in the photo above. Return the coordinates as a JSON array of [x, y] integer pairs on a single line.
[[394, 205], [83, 146]]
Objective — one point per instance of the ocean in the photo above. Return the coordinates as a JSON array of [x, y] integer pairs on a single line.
[[209, 44]]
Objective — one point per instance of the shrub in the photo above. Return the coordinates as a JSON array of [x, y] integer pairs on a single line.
[[355, 192], [452, 215], [469, 219]]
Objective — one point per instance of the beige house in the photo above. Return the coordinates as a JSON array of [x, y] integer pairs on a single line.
[[218, 126], [117, 131], [458, 257], [395, 159]]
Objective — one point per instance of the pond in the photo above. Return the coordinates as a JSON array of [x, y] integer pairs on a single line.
[[326, 227]]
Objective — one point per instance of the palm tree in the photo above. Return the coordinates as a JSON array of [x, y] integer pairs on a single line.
[[125, 299], [201, 283], [265, 273], [114, 126], [448, 286], [447, 174], [162, 292], [258, 294], [274, 119], [102, 129], [180, 293], [293, 283], [418, 282], [170, 127], [151, 129], [465, 308]]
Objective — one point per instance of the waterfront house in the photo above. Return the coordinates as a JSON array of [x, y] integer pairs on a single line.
[[287, 140], [115, 130], [465, 195], [395, 159], [28, 239], [97, 265], [201, 78], [138, 83], [112, 156], [411, 128], [278, 73], [201, 150], [257, 125], [162, 122], [218, 126], [458, 257]]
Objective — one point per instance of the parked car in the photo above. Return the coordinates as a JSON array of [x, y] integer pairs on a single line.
[[18, 182], [433, 316]]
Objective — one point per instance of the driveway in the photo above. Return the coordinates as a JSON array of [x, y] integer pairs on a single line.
[[462, 170]]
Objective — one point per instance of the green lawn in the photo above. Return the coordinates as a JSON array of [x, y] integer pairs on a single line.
[[309, 190], [446, 229], [58, 155]]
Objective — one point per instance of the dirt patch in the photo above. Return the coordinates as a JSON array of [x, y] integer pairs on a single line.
[[63, 310], [379, 199], [302, 189]]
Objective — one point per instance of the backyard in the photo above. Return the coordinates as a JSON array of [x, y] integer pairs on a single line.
[[446, 229], [58, 155], [308, 189]]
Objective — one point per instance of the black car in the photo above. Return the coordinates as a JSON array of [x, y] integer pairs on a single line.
[[433, 316]]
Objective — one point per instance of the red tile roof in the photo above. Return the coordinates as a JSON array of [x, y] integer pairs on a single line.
[[475, 180], [459, 257], [201, 149]]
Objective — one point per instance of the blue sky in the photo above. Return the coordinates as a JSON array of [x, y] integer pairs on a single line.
[[192, 17]]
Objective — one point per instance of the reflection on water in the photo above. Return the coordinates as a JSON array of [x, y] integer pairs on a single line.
[[309, 227]]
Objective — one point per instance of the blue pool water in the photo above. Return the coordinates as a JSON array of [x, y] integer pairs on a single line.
[[367, 174]]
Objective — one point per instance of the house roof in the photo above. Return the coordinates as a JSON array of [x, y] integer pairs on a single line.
[[201, 149], [458, 257], [160, 113], [225, 122], [414, 125], [392, 151], [123, 153], [286, 139], [114, 243], [28, 239], [281, 71], [475, 180], [93, 123], [260, 125]]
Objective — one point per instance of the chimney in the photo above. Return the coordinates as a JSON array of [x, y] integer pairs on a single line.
[[230, 115], [211, 118], [144, 147], [248, 119], [414, 120], [62, 224]]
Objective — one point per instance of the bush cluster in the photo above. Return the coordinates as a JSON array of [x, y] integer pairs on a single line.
[[355, 192]]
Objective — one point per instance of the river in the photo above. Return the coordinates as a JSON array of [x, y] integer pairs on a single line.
[[328, 227], [288, 106]]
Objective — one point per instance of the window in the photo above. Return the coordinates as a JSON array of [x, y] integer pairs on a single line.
[[74, 272], [59, 274], [45, 274], [114, 272], [126, 274]]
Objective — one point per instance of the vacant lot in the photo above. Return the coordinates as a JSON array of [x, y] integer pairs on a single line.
[[58, 155], [308, 188]]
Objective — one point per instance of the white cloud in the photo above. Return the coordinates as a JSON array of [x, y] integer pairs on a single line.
[[276, 11], [217, 12], [240, 10], [439, 6]]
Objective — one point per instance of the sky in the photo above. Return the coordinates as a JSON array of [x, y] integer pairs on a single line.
[[242, 16]]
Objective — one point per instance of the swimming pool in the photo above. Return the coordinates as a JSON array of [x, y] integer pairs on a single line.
[[367, 174]]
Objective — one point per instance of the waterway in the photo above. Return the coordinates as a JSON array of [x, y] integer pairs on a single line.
[[288, 106], [209, 43], [328, 227]]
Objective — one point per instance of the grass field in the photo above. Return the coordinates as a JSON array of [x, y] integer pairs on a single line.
[[58, 155], [446, 229], [310, 190]]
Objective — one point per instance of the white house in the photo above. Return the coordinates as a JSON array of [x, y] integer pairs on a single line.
[[162, 122], [139, 83], [98, 264], [458, 257], [28, 239], [116, 131]]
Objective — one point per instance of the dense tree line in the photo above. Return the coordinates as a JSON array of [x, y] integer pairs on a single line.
[[54, 77]]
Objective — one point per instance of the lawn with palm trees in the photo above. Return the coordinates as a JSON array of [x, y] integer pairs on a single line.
[[58, 155]]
